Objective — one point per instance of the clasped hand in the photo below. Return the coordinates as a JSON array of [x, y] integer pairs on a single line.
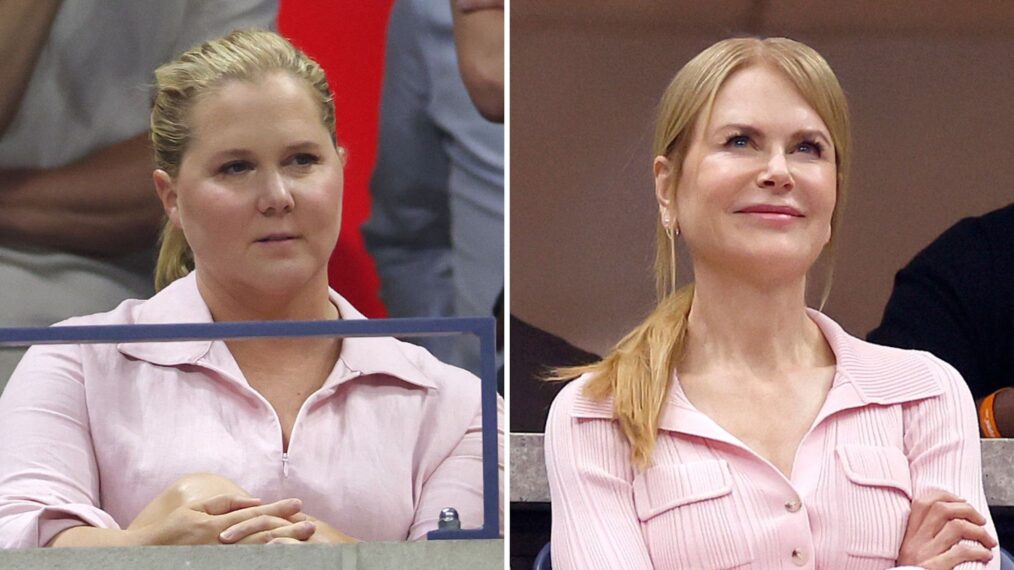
[[237, 519], [944, 531]]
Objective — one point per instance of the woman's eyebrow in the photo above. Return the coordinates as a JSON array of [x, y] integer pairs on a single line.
[[739, 127], [302, 145], [230, 153], [812, 134]]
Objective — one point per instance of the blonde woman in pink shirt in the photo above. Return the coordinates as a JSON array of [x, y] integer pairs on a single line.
[[300, 440], [735, 427]]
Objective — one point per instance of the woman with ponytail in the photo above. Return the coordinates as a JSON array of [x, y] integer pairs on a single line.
[[735, 427], [264, 440]]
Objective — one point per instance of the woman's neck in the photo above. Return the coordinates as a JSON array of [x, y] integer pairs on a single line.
[[310, 301], [763, 328], [293, 365]]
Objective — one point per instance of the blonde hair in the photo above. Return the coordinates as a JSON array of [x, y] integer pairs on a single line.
[[244, 55], [638, 371]]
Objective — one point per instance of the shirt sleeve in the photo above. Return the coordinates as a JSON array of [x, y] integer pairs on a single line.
[[457, 481], [943, 448], [49, 479], [595, 524]]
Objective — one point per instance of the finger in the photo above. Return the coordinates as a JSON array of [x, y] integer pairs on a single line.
[[922, 504], [964, 552], [298, 517], [221, 504], [940, 513], [248, 527], [284, 540], [281, 509], [960, 529], [298, 532]]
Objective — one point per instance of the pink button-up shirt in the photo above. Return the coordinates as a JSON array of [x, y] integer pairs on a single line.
[[895, 424], [89, 434]]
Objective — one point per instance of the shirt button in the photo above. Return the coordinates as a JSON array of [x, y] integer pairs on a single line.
[[798, 557], [792, 505]]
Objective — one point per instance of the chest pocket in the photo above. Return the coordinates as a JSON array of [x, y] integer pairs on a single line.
[[878, 497], [689, 516]]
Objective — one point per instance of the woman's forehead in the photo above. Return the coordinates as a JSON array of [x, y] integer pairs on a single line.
[[276, 106], [759, 95]]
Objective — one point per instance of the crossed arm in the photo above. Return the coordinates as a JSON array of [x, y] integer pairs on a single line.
[[101, 205], [24, 27]]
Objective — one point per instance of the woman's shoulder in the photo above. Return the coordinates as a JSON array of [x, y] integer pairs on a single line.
[[574, 403], [887, 374], [444, 376], [122, 314], [178, 302]]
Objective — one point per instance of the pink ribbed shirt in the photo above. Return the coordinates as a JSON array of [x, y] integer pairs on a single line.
[[90, 434], [895, 425]]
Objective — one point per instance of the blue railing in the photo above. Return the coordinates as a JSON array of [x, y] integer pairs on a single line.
[[483, 328]]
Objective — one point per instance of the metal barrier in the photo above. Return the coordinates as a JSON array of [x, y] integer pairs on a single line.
[[481, 327]]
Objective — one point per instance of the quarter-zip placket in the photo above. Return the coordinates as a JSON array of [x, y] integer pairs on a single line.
[[295, 424]]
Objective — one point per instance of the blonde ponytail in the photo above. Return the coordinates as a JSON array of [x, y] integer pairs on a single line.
[[175, 259]]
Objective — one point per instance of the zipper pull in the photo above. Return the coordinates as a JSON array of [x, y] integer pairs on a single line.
[[285, 464]]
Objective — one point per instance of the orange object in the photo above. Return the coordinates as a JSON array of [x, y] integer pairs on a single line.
[[987, 416]]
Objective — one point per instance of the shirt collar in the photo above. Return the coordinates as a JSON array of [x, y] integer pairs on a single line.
[[865, 374], [181, 302]]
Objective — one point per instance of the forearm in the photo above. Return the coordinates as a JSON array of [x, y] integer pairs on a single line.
[[101, 205], [83, 536], [478, 37], [24, 27]]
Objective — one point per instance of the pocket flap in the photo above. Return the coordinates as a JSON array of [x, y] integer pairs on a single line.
[[876, 466], [663, 487]]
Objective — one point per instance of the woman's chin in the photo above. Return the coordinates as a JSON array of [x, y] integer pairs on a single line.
[[772, 265], [282, 280]]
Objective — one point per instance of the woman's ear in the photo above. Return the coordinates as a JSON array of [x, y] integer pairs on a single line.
[[165, 187], [664, 172]]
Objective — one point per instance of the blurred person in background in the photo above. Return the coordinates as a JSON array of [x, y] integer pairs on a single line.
[[78, 218], [956, 300], [436, 221]]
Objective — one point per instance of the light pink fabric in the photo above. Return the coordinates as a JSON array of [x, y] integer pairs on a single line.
[[92, 433], [895, 424]]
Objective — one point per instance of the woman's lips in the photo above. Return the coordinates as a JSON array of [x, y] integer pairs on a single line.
[[276, 238], [768, 209]]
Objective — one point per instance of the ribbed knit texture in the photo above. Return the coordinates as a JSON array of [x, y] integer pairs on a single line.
[[896, 424]]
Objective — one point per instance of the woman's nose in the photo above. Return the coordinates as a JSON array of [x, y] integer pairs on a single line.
[[275, 196], [776, 174]]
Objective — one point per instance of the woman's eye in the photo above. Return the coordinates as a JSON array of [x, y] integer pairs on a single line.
[[235, 167], [810, 147], [737, 141], [305, 159]]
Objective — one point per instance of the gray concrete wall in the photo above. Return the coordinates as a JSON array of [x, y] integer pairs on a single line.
[[425, 555]]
